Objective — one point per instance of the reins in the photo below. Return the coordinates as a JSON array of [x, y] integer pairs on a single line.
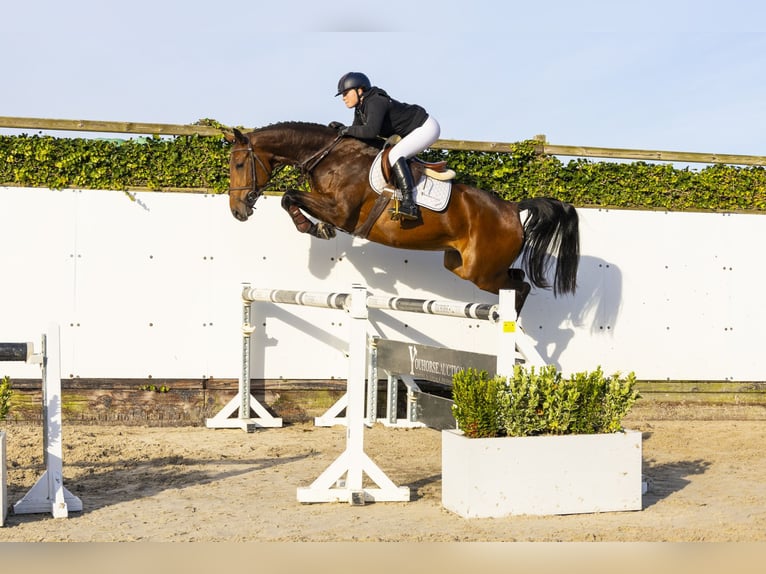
[[308, 165]]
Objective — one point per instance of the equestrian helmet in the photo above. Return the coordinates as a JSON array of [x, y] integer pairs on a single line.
[[353, 80]]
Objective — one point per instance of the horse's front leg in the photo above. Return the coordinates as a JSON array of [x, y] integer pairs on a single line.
[[302, 223]]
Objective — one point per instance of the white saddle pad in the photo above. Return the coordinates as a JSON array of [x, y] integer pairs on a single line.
[[430, 193]]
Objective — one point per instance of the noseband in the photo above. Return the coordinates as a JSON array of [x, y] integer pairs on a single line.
[[253, 187]]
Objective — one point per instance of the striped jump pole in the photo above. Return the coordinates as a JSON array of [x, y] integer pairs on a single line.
[[16, 351], [303, 298], [480, 311]]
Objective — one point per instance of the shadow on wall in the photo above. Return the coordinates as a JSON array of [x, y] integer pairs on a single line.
[[388, 270], [551, 321]]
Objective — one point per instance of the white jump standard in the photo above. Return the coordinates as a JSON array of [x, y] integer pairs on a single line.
[[48, 494], [243, 402], [343, 480]]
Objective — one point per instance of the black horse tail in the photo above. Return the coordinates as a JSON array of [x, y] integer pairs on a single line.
[[551, 230]]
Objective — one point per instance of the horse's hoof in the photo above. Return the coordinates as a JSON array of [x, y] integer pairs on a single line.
[[322, 230]]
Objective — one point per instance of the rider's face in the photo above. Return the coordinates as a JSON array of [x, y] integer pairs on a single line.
[[351, 97]]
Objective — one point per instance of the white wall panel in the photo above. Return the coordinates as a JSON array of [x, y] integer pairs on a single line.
[[37, 262], [152, 288], [668, 295]]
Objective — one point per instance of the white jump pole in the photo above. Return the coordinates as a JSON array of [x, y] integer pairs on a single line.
[[49, 494]]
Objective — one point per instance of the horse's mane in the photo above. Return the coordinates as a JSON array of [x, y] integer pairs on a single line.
[[308, 133], [295, 125]]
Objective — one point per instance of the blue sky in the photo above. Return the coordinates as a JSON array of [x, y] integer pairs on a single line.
[[671, 75]]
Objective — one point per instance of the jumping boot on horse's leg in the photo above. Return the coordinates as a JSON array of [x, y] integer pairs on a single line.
[[521, 287], [407, 209], [320, 229], [521, 296]]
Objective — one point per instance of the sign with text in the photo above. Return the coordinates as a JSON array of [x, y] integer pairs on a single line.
[[434, 364]]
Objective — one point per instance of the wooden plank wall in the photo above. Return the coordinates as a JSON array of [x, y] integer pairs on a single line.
[[181, 402], [166, 402]]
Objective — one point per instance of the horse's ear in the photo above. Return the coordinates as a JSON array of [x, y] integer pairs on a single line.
[[235, 136], [241, 138]]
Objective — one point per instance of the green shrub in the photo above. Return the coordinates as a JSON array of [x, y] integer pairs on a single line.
[[479, 403], [5, 397], [538, 402]]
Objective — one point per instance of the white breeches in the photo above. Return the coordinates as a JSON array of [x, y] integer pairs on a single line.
[[420, 139]]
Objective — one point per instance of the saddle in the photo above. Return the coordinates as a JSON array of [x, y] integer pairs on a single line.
[[436, 169]]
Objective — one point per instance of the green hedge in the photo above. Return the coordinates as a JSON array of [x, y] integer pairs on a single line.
[[154, 163], [541, 402], [201, 163]]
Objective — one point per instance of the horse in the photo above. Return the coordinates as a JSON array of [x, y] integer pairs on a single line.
[[480, 234]]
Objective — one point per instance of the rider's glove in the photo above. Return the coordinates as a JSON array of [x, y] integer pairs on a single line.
[[342, 130]]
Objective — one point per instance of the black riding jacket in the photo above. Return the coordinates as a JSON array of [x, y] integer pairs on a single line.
[[379, 114]]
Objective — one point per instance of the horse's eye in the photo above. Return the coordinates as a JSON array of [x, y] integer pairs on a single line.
[[239, 165]]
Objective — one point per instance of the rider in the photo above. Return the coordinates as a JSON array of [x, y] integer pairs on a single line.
[[378, 114]]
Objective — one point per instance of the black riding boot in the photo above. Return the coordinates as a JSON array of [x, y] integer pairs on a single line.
[[408, 209]]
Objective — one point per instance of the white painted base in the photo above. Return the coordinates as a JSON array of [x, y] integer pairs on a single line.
[[333, 416], [541, 475], [331, 486], [225, 418]]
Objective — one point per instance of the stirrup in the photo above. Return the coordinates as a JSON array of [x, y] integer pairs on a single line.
[[397, 214]]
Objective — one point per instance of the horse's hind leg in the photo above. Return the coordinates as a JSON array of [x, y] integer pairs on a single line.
[[520, 287], [510, 278], [302, 223]]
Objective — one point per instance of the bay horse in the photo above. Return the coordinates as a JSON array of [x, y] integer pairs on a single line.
[[480, 234]]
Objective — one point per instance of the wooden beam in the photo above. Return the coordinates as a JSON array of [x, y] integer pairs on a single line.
[[112, 127], [462, 145], [652, 155], [545, 148], [459, 145]]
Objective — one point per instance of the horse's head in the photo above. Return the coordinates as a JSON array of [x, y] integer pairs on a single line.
[[248, 174]]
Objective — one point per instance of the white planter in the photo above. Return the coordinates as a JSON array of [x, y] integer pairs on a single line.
[[542, 475]]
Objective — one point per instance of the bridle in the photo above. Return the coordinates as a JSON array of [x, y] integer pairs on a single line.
[[254, 190]]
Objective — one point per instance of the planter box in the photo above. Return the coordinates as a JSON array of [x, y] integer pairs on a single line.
[[542, 475]]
